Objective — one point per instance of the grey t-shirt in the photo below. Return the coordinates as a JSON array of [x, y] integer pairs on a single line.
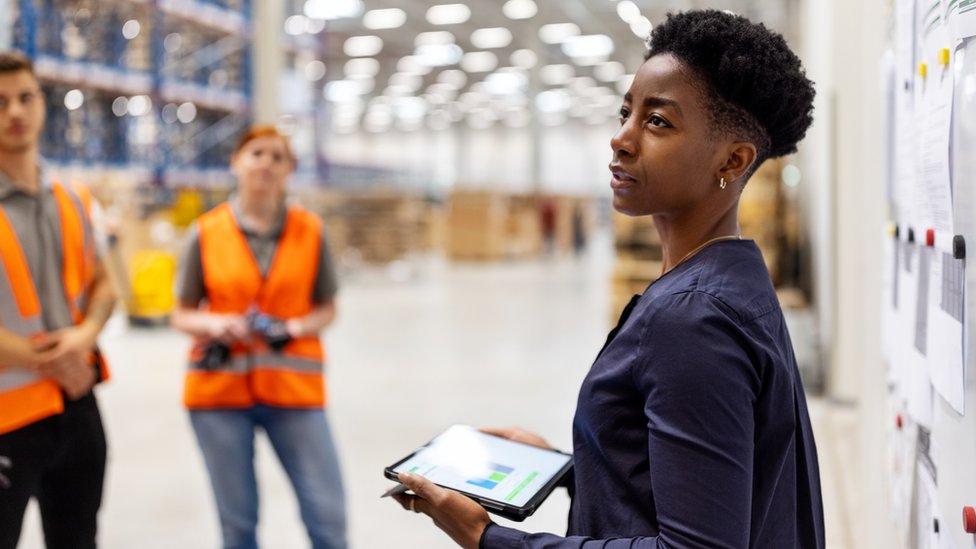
[[191, 289], [37, 224]]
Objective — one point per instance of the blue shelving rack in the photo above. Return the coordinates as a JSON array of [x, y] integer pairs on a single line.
[[211, 70]]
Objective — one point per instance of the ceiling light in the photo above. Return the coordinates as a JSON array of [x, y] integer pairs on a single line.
[[592, 45], [121, 106], [506, 83], [365, 66], [413, 65], [581, 83], [362, 46], [453, 78], [340, 91], [439, 55], [556, 75], [552, 101], [413, 82], [140, 105], [555, 33], [519, 9], [448, 14], [131, 29], [391, 18], [186, 113], [641, 27], [73, 100], [333, 9], [495, 37], [479, 61], [610, 71], [295, 25], [433, 38], [315, 70], [628, 11], [524, 58]]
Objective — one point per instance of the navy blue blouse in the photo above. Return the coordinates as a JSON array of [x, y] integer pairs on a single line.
[[691, 428]]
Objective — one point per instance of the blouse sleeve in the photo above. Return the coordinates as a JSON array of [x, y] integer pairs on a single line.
[[699, 385]]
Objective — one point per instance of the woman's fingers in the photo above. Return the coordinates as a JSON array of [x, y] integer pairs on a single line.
[[421, 486], [504, 432]]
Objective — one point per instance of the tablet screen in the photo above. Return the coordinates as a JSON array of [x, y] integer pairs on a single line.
[[467, 460]]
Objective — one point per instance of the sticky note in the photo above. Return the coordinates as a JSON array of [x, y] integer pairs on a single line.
[[944, 56]]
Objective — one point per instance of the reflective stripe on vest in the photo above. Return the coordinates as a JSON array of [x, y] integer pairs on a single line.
[[234, 285], [26, 397]]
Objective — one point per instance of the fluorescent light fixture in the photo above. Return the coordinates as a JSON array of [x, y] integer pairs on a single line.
[[362, 46], [410, 108], [520, 9], [341, 91], [454, 78], [448, 14], [554, 33], [494, 37], [524, 58], [556, 75], [433, 38], [589, 46], [553, 101], [479, 61], [518, 118], [439, 55], [120, 107], [623, 85], [186, 113], [506, 83], [628, 11], [73, 100], [131, 29], [333, 9], [413, 65], [413, 82], [315, 70], [641, 27], [365, 66], [314, 26], [295, 25], [391, 18], [580, 83], [140, 105], [610, 71]]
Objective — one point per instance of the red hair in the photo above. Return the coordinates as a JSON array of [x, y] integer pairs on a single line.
[[265, 130]]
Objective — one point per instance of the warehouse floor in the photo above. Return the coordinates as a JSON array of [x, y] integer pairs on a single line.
[[418, 346]]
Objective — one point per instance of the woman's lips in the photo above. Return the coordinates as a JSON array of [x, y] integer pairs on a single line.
[[620, 179]]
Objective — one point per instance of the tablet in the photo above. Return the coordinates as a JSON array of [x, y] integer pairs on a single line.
[[510, 479]]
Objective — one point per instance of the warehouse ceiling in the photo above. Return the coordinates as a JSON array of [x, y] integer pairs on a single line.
[[411, 64]]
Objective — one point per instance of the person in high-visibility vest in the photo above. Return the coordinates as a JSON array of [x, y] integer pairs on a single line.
[[256, 287], [55, 297]]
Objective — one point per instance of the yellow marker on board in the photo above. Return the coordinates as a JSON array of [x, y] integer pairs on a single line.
[[923, 70], [944, 56]]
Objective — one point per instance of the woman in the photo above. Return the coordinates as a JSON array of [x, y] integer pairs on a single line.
[[256, 288], [691, 427]]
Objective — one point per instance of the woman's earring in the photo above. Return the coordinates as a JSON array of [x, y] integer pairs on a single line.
[[721, 184]]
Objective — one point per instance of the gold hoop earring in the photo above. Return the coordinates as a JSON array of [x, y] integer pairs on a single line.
[[721, 184]]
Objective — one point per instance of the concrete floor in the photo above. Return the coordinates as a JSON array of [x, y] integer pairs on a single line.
[[418, 346]]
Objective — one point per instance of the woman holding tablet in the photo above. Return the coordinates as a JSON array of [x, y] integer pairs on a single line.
[[691, 427]]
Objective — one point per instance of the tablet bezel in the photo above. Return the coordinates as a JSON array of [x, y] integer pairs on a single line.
[[501, 508]]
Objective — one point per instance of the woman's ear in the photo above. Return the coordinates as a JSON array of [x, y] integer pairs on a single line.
[[741, 155]]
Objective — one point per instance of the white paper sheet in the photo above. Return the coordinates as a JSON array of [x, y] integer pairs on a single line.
[[889, 304], [916, 386], [904, 119], [902, 439], [933, 115], [946, 311], [930, 523]]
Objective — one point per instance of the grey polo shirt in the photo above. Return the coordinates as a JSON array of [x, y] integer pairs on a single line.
[[190, 285], [37, 224]]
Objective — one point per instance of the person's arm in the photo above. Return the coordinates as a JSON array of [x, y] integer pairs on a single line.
[[311, 324], [699, 386], [324, 292], [191, 290], [18, 353]]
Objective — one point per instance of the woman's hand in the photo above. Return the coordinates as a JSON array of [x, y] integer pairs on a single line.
[[227, 328], [518, 435], [459, 516]]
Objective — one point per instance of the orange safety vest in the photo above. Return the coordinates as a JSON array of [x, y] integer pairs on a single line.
[[25, 397], [254, 373]]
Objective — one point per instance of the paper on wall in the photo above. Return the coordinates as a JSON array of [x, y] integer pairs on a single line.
[[946, 310], [916, 386]]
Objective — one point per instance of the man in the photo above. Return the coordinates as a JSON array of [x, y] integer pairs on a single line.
[[55, 298]]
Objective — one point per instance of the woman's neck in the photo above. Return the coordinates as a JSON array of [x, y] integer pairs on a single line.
[[259, 214], [682, 234]]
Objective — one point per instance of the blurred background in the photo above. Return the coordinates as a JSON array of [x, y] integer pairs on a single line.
[[457, 153]]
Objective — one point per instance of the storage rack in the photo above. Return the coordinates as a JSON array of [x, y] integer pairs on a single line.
[[178, 52]]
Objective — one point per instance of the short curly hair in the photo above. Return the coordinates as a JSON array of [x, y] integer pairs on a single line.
[[753, 84]]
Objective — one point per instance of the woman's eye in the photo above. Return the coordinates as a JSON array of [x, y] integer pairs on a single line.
[[623, 116], [657, 121]]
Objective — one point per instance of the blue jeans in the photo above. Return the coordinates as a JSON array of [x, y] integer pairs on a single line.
[[303, 442]]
